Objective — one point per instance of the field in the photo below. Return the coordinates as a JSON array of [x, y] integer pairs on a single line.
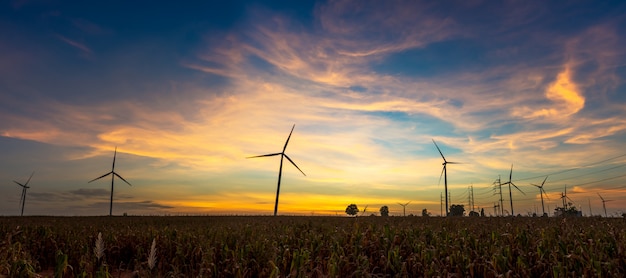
[[260, 246]]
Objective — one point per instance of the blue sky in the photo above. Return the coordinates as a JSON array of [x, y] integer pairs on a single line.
[[187, 91]]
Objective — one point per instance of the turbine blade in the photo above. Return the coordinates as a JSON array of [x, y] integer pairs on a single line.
[[545, 194], [450, 162], [441, 175], [544, 181], [444, 158], [601, 197], [511, 174], [272, 154], [294, 164], [518, 188], [22, 197], [114, 155], [122, 178], [100, 177], [19, 183], [536, 186], [288, 137], [31, 175]]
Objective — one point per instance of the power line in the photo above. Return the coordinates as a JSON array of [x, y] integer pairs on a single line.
[[611, 178], [575, 168], [582, 175]]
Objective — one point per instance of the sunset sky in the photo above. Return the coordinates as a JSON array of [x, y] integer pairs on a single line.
[[187, 90]]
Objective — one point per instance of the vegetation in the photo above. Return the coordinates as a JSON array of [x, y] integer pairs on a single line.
[[457, 210], [384, 211], [312, 247], [352, 209]]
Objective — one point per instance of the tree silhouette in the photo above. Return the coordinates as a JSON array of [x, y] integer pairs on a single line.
[[457, 210], [425, 213], [384, 211], [352, 210]]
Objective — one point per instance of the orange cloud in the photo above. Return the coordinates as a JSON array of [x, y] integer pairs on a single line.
[[565, 95]]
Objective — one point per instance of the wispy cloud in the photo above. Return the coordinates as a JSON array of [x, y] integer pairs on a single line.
[[86, 51]]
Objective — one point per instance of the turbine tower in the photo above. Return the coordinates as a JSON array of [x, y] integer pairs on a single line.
[[604, 204], [542, 192], [113, 175], [23, 197], [444, 172], [280, 170], [510, 182], [404, 207]]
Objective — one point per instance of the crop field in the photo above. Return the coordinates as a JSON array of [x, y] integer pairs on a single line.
[[263, 246]]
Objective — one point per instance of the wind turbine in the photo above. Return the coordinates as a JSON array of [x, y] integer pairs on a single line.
[[113, 175], [542, 192], [603, 204], [23, 197], [510, 182], [404, 207], [445, 173], [365, 209], [280, 171]]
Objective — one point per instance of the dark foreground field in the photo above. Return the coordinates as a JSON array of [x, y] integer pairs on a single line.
[[312, 247]]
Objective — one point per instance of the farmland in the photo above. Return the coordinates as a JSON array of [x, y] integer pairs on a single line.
[[262, 246]]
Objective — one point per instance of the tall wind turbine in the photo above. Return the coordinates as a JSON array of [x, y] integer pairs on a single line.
[[510, 182], [404, 207], [445, 173], [604, 204], [280, 171], [113, 175], [23, 197], [542, 192]]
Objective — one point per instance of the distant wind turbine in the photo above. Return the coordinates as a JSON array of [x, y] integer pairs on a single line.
[[23, 197], [542, 192], [604, 204], [444, 171], [404, 207], [510, 182], [280, 171], [113, 175], [364, 210]]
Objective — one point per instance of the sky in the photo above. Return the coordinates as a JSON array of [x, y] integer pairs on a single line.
[[186, 92]]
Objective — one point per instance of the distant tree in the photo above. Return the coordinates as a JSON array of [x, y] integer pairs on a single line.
[[474, 214], [425, 213], [457, 210], [571, 211], [384, 211], [352, 210]]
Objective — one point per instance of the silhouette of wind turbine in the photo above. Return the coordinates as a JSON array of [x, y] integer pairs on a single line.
[[280, 171], [511, 193], [604, 204], [444, 171], [542, 192], [113, 175], [23, 197], [365, 209], [404, 207]]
